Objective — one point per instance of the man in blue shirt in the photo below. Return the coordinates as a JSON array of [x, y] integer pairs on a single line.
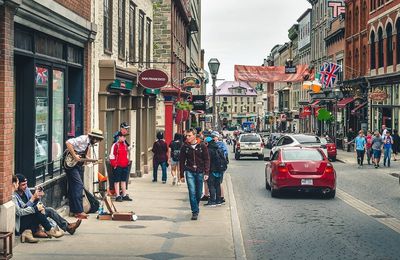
[[221, 145], [360, 142]]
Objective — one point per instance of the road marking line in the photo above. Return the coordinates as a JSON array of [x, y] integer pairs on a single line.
[[240, 252], [380, 216]]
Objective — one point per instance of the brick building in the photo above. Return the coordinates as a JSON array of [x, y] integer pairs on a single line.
[[355, 87], [45, 49], [383, 50]]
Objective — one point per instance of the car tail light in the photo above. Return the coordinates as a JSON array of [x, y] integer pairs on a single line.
[[282, 169], [329, 168]]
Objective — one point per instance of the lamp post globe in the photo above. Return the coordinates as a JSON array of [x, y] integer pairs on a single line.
[[213, 65]]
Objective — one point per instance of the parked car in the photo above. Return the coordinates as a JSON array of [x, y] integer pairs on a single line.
[[300, 169], [250, 144], [272, 139], [303, 140], [330, 147]]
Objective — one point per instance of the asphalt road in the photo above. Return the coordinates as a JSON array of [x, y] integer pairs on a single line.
[[306, 226]]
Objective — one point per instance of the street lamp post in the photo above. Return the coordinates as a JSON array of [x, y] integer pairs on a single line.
[[336, 93], [213, 65]]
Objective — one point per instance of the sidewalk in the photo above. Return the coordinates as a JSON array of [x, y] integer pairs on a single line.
[[347, 157], [163, 229]]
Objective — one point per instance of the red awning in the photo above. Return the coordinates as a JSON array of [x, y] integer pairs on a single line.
[[342, 103], [315, 104], [358, 107]]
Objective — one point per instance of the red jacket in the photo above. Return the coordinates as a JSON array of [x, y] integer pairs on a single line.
[[119, 155]]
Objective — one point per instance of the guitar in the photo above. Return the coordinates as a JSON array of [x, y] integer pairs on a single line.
[[69, 161]]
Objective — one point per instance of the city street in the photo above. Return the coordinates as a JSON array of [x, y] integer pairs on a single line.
[[362, 222]]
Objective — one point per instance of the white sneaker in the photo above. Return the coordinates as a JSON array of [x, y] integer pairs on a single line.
[[174, 181]]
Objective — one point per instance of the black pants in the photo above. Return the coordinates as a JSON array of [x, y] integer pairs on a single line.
[[32, 222], [360, 156], [75, 189], [214, 186]]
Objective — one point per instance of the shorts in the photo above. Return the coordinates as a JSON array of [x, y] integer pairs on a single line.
[[376, 153], [174, 162], [120, 174]]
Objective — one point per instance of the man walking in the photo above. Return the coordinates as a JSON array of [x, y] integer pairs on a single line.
[[377, 144], [195, 164], [360, 143]]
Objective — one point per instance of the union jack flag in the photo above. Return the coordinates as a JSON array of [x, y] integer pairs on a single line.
[[330, 75], [323, 72], [42, 76]]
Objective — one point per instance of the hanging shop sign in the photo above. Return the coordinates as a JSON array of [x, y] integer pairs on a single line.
[[148, 91], [190, 82], [121, 84], [378, 95], [199, 102], [153, 78]]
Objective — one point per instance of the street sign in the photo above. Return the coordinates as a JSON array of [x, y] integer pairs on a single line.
[[153, 78]]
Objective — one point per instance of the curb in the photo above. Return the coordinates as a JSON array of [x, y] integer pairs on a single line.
[[238, 244]]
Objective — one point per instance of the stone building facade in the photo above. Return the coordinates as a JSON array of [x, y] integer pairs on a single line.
[[123, 48]]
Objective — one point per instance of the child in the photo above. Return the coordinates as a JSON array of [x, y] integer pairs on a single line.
[[119, 162]]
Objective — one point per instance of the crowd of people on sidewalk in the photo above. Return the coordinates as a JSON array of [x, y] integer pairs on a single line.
[[198, 158], [372, 144]]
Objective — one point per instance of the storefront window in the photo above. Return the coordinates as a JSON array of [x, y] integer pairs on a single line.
[[42, 118], [58, 117]]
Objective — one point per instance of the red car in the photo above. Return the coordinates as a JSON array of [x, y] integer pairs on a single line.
[[302, 169], [330, 148]]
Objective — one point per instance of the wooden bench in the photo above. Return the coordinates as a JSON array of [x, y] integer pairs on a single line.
[[4, 253]]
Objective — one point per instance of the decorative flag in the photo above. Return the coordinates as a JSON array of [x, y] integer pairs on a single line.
[[323, 72], [42, 76], [329, 74]]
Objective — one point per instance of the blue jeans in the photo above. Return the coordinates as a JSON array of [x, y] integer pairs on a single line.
[[386, 156], [164, 171], [195, 186]]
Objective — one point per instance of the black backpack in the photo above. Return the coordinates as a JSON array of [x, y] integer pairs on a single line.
[[220, 163], [175, 151]]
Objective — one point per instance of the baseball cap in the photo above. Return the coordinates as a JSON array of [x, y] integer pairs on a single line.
[[208, 139], [21, 178], [124, 125]]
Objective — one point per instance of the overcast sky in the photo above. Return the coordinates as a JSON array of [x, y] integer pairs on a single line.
[[244, 32]]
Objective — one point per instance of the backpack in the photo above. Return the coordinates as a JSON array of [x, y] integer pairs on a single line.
[[175, 151], [220, 162]]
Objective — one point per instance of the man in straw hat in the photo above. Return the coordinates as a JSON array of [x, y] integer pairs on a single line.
[[79, 148]]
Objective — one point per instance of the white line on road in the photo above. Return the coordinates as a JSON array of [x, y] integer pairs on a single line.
[[238, 244], [380, 216]]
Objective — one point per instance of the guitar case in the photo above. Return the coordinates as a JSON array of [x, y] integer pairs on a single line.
[[121, 216]]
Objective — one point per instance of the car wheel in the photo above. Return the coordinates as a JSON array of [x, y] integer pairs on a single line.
[[331, 194], [267, 186], [237, 156], [333, 158], [274, 192]]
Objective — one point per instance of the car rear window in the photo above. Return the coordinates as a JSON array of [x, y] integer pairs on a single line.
[[250, 138], [307, 139], [302, 155]]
